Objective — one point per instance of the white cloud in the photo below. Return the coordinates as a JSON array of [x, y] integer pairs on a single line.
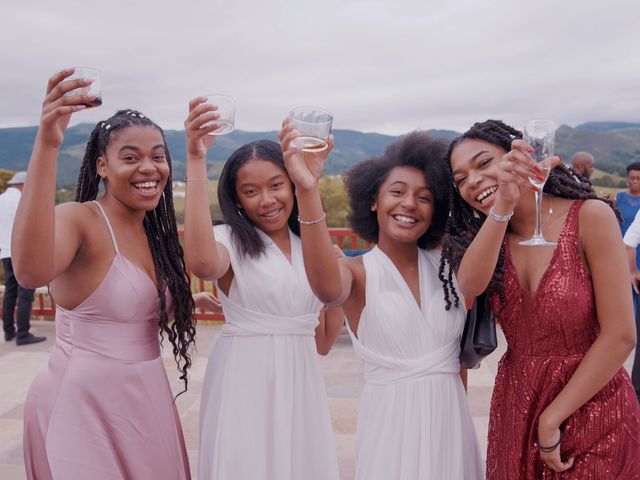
[[386, 66]]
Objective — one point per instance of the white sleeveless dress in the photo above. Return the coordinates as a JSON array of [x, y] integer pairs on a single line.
[[414, 421], [264, 413]]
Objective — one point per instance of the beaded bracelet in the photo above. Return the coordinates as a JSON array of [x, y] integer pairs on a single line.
[[500, 218], [312, 222], [552, 448]]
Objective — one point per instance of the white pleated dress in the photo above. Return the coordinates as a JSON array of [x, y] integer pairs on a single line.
[[414, 421], [264, 413]]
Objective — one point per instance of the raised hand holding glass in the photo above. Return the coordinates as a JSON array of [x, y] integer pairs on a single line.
[[314, 126], [540, 134], [94, 89], [226, 113]]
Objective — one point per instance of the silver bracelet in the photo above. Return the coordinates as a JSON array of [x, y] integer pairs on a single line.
[[500, 218], [312, 222]]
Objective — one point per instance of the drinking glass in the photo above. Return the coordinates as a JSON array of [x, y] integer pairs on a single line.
[[94, 89], [314, 126], [226, 113], [540, 134]]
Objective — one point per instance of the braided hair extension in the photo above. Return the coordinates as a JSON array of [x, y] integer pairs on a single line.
[[162, 234], [464, 221]]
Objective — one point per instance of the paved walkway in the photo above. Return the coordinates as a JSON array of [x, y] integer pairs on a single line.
[[342, 372]]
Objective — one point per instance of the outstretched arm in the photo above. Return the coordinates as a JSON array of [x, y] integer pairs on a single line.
[[206, 258], [56, 233]]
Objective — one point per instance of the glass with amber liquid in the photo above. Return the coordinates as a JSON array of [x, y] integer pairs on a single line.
[[313, 125]]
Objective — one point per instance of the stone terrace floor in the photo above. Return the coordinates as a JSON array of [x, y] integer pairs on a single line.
[[342, 373]]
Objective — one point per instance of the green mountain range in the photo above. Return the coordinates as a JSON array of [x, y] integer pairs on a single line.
[[614, 145]]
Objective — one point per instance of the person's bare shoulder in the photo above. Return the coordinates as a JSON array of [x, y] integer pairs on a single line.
[[594, 210], [355, 264], [598, 222], [77, 216]]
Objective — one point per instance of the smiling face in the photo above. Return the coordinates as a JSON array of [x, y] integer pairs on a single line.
[[404, 206], [135, 167], [265, 194], [474, 164]]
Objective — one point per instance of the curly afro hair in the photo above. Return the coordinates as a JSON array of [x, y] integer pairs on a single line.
[[418, 150]]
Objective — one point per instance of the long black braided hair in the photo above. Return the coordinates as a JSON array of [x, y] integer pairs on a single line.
[[162, 234], [464, 221]]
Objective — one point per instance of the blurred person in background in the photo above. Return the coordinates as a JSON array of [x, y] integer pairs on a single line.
[[582, 163], [13, 291]]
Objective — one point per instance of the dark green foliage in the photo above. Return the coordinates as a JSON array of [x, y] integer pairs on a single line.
[[613, 144]]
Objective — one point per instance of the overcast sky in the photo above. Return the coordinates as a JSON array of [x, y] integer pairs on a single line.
[[378, 66]]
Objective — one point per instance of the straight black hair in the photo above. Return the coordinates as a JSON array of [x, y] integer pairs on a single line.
[[243, 230]]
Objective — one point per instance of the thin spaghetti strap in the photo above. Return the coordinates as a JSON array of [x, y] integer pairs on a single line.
[[106, 219]]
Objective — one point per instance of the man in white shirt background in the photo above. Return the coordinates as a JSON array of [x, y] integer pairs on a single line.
[[13, 292], [631, 242]]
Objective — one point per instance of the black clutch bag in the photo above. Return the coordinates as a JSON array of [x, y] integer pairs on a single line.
[[479, 337]]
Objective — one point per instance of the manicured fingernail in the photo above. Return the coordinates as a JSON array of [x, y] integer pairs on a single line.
[[77, 108]]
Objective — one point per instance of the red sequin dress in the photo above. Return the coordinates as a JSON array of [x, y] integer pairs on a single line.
[[548, 334]]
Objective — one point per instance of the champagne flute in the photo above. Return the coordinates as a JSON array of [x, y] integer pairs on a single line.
[[314, 126], [540, 134]]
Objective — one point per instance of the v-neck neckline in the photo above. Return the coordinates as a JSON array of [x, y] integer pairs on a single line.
[[563, 232], [139, 268], [403, 283], [116, 247], [270, 243]]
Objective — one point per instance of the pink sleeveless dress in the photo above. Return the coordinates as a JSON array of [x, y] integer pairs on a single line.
[[548, 334], [102, 408]]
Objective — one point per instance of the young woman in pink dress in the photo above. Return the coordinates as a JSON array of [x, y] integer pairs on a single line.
[[102, 407], [563, 407]]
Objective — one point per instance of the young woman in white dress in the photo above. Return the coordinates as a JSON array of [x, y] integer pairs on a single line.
[[264, 413], [414, 421]]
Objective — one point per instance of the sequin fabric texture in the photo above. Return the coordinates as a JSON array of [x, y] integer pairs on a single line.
[[548, 333]]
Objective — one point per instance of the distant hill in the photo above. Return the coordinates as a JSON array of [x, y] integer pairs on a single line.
[[612, 149], [606, 126], [351, 146], [614, 145]]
